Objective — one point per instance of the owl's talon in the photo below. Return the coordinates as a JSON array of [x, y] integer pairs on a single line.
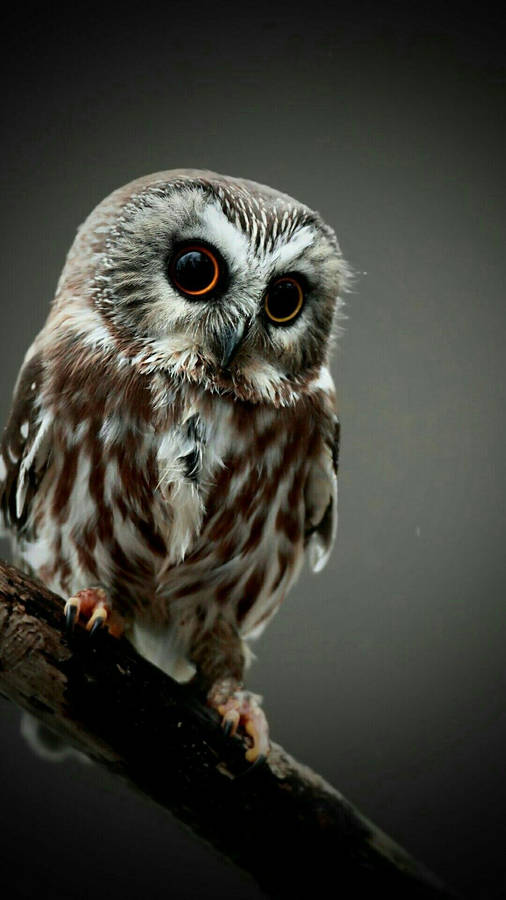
[[256, 764], [260, 760], [71, 613], [242, 710], [227, 727], [256, 727], [231, 719], [97, 621], [93, 606]]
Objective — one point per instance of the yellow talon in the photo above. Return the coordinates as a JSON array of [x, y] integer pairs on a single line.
[[72, 608], [97, 618], [242, 710]]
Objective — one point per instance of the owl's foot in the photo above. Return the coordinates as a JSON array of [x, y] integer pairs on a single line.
[[241, 710], [93, 606]]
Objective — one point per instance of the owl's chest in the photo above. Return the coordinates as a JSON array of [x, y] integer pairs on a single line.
[[212, 503], [246, 508], [220, 468], [190, 458]]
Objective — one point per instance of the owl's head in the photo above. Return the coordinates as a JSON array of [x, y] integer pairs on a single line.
[[218, 280]]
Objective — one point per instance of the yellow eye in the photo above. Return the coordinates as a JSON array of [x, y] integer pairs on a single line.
[[195, 271], [283, 301]]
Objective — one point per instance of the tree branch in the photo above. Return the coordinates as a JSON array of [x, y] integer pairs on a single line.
[[280, 822]]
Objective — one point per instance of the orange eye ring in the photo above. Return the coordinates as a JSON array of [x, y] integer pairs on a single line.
[[298, 299], [214, 275]]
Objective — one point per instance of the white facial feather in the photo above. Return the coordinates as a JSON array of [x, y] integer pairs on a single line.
[[217, 230], [285, 254]]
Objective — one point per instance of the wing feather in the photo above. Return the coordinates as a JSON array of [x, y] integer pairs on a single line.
[[25, 447], [321, 500]]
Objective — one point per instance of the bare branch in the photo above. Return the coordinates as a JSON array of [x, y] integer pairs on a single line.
[[280, 822]]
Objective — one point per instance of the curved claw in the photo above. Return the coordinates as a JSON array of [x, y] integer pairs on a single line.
[[256, 727], [97, 620], [242, 710], [92, 606], [231, 719], [227, 727], [98, 624], [71, 614], [256, 764]]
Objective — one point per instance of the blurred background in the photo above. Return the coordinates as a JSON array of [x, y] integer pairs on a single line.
[[386, 672]]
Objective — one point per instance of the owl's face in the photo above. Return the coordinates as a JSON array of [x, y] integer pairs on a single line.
[[222, 281]]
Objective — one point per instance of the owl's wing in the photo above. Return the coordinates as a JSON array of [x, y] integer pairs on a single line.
[[25, 447], [321, 500]]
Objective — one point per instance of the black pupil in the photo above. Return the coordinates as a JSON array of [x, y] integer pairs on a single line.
[[194, 270], [283, 299]]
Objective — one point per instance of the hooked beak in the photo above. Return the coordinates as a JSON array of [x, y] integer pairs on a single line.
[[229, 343]]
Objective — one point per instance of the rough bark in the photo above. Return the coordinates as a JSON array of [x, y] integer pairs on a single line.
[[280, 822]]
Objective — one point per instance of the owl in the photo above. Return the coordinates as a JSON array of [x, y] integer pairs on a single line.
[[171, 453]]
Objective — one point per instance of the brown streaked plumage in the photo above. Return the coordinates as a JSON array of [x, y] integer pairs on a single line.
[[174, 443]]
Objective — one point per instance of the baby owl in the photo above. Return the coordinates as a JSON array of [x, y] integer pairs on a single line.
[[171, 452]]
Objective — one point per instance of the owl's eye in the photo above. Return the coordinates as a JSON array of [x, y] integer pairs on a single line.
[[283, 301], [195, 270]]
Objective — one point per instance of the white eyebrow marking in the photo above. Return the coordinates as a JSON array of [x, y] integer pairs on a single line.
[[284, 255], [232, 242]]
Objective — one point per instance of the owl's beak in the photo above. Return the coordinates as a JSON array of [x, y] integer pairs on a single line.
[[229, 343]]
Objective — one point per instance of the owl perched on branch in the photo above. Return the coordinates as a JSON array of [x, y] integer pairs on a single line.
[[171, 453]]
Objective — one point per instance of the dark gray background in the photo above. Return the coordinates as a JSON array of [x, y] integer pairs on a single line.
[[385, 673]]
